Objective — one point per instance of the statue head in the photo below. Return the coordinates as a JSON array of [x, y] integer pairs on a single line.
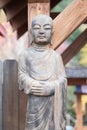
[[41, 30]]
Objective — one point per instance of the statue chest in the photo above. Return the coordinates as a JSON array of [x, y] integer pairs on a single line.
[[41, 67]]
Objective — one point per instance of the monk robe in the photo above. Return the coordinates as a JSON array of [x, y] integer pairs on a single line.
[[42, 64]]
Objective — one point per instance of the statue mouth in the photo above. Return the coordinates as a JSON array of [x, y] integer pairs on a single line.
[[41, 37]]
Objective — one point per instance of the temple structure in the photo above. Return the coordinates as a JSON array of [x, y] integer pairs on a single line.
[[20, 14]]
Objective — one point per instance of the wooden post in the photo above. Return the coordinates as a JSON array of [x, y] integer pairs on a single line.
[[10, 96], [22, 110], [1, 73], [36, 7], [79, 115], [22, 29], [79, 112]]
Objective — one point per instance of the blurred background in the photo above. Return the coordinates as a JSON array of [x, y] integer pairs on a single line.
[[10, 48]]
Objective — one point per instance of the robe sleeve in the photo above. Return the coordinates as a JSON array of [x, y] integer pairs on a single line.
[[60, 96], [60, 71], [24, 80]]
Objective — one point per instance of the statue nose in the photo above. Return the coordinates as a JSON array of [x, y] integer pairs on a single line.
[[41, 31]]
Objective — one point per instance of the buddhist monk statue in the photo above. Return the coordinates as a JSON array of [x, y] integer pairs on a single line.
[[42, 77]]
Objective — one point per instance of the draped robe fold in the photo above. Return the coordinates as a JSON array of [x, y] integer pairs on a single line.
[[43, 112]]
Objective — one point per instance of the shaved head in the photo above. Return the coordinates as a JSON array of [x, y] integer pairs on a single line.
[[42, 29], [42, 19]]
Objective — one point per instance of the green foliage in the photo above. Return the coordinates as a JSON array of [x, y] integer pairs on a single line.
[[70, 100], [83, 59], [74, 35], [3, 17], [59, 7]]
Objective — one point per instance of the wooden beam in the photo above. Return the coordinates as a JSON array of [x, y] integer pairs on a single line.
[[80, 93], [70, 18], [1, 82], [21, 30], [79, 113], [38, 1], [22, 109], [74, 48], [76, 72], [14, 7], [77, 81], [54, 3], [36, 7], [76, 75], [19, 19], [86, 22], [10, 120], [3, 3], [54, 14]]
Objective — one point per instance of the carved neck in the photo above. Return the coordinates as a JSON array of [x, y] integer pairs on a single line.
[[40, 47]]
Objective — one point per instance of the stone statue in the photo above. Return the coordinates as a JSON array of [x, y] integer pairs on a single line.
[[42, 77]]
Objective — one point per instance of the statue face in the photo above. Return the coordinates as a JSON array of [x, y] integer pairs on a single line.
[[42, 29]]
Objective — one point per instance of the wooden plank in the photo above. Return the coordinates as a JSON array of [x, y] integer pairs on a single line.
[[3, 3], [74, 48], [76, 93], [84, 128], [77, 81], [22, 110], [76, 75], [79, 112], [70, 18], [38, 1], [19, 19], [37, 8], [21, 30], [54, 3], [1, 76], [85, 22], [10, 96], [76, 72], [54, 14], [14, 7]]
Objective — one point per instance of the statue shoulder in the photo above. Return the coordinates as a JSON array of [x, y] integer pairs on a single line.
[[56, 54], [23, 54]]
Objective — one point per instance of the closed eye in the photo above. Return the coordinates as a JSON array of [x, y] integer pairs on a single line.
[[36, 27], [47, 27]]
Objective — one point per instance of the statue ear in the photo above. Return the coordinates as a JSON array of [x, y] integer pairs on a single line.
[[53, 32], [31, 37], [51, 38]]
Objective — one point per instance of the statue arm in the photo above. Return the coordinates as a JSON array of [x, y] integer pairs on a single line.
[[25, 81]]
